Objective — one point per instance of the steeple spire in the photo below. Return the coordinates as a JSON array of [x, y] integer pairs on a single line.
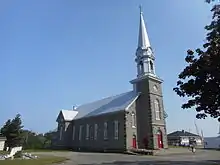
[[143, 40], [144, 53]]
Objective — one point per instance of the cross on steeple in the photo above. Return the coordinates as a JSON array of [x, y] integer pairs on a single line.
[[140, 7]]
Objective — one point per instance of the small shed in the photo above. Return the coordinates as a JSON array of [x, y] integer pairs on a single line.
[[2, 143]]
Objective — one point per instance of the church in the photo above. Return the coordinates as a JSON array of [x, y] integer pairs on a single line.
[[130, 120]]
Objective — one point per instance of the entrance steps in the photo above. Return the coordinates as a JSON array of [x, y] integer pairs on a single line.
[[140, 152]]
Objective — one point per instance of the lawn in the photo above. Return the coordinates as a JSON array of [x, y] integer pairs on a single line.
[[40, 161]]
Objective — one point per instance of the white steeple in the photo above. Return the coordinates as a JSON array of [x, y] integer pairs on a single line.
[[143, 40], [144, 53]]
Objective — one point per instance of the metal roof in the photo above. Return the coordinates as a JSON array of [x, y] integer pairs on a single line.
[[69, 115], [106, 105], [110, 104], [182, 133]]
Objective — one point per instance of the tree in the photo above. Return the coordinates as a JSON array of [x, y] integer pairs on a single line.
[[12, 130], [33, 140], [49, 137], [200, 80]]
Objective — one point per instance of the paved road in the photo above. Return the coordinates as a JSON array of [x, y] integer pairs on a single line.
[[173, 157]]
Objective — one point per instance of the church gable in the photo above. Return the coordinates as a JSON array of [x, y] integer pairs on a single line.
[[60, 117], [66, 115]]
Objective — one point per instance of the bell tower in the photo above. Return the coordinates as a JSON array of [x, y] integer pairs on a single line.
[[144, 54], [151, 125]]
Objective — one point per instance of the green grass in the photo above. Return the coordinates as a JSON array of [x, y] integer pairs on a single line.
[[40, 161]]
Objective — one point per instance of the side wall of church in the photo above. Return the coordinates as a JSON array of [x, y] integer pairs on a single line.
[[100, 143]]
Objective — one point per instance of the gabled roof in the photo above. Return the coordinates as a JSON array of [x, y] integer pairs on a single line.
[[107, 105], [68, 115], [182, 133]]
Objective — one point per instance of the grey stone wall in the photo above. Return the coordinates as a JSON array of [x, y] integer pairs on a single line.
[[151, 90], [100, 144], [130, 130]]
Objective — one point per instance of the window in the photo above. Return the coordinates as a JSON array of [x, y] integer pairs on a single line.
[[95, 131], [105, 130], [116, 124], [151, 67], [87, 131], [133, 120], [61, 131], [74, 132], [157, 109], [80, 132], [141, 66]]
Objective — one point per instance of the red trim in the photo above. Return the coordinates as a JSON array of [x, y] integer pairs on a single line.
[[134, 143]]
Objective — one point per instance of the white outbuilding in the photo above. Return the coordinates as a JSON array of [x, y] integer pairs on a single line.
[[2, 143]]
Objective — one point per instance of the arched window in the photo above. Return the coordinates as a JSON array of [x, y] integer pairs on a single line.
[[151, 67], [133, 120], [157, 109], [141, 65]]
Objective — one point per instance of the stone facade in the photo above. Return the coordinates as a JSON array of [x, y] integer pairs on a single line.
[[150, 126]]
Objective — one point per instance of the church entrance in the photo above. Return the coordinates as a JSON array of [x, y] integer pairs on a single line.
[[134, 142], [160, 139]]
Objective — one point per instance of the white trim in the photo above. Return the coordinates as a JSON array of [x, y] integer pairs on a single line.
[[129, 105], [148, 77]]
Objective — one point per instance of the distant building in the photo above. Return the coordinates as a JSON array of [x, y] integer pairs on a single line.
[[134, 119], [2, 142], [183, 138], [212, 142]]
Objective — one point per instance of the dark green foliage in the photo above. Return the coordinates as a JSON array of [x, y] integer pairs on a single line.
[[16, 136], [12, 130], [209, 1], [32, 140], [48, 139], [200, 80], [37, 141], [18, 154]]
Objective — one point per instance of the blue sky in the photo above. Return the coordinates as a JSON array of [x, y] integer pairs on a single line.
[[55, 54]]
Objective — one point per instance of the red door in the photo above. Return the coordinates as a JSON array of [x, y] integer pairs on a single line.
[[159, 140], [134, 143]]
